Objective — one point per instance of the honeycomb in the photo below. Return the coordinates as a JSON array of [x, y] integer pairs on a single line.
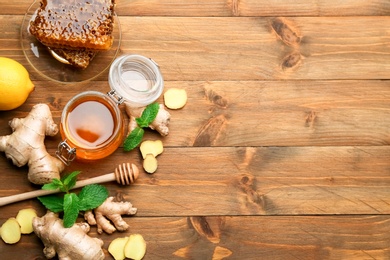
[[74, 24], [77, 58]]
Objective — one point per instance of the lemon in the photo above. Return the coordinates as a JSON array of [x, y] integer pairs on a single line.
[[15, 84]]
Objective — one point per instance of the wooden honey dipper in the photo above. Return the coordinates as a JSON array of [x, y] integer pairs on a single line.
[[124, 174]]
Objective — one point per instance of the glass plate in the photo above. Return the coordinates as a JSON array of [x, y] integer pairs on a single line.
[[43, 62]]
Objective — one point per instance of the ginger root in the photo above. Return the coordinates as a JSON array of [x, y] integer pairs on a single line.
[[68, 243], [25, 218], [26, 145], [10, 231], [160, 123], [110, 210]]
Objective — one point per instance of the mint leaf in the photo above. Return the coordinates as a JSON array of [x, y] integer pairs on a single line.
[[92, 196], [71, 209], [148, 115], [133, 139], [52, 203], [53, 185], [69, 180]]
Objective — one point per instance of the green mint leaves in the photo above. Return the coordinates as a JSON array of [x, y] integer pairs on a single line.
[[147, 117], [71, 209], [65, 184], [54, 203], [90, 197], [133, 139]]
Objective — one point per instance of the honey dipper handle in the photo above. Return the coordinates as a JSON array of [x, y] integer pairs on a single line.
[[36, 193], [25, 196], [95, 180]]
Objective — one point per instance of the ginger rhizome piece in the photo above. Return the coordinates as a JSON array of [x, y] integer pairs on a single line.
[[10, 231], [13, 228], [160, 123], [25, 218], [150, 150], [117, 248], [26, 145], [68, 243], [133, 247], [112, 211], [175, 98], [151, 147], [150, 163]]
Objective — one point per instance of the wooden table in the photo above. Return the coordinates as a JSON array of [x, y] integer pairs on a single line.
[[282, 151]]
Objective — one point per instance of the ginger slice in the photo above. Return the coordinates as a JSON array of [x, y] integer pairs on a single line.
[[150, 163], [150, 150], [151, 147], [25, 220], [135, 247], [10, 231], [117, 248], [175, 98]]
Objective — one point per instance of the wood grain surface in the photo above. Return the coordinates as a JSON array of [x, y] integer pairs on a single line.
[[282, 151]]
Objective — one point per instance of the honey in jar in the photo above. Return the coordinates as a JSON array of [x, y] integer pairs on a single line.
[[92, 124]]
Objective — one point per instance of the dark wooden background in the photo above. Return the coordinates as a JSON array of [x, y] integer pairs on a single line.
[[282, 151]]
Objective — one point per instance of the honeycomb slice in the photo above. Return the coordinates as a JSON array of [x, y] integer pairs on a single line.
[[77, 58], [74, 24]]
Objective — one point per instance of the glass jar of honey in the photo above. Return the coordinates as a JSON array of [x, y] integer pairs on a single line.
[[92, 124]]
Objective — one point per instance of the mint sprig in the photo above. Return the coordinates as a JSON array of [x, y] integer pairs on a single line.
[[90, 197], [147, 117]]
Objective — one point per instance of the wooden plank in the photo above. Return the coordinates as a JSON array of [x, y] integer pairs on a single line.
[[284, 237], [255, 8], [270, 114], [262, 48], [249, 48], [245, 181], [255, 113], [234, 8]]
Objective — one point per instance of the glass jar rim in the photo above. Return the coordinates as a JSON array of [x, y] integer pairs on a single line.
[[148, 61], [151, 94]]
